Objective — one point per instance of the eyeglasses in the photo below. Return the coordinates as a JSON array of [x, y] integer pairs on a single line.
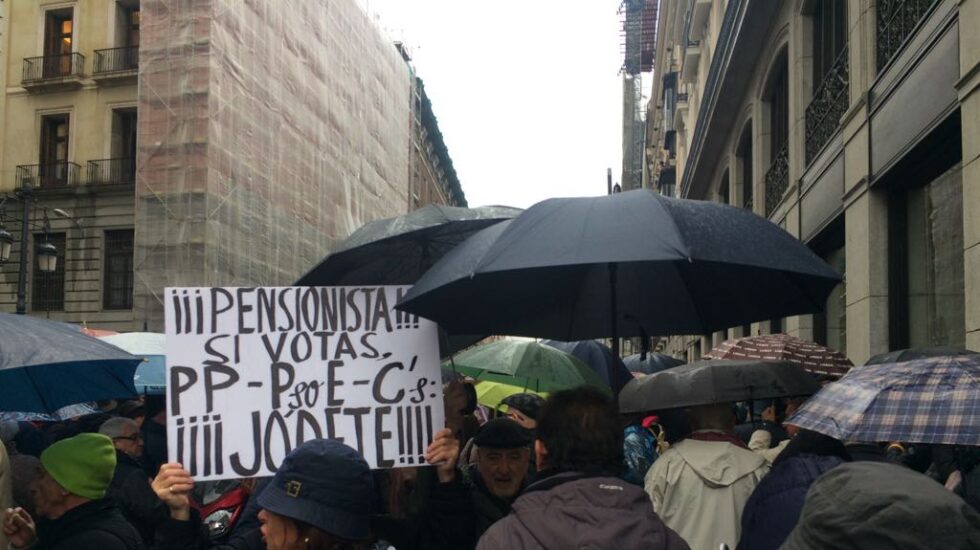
[[134, 437]]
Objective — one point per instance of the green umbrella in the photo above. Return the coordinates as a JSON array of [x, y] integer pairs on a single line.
[[528, 365]]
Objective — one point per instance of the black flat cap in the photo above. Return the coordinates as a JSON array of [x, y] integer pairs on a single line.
[[502, 433], [527, 403]]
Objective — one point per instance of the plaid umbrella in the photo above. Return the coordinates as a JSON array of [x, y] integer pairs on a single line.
[[935, 400], [814, 358]]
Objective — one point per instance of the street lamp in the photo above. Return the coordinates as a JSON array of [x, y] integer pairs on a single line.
[[47, 253]]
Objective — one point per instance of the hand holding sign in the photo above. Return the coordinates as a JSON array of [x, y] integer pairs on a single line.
[[254, 372]]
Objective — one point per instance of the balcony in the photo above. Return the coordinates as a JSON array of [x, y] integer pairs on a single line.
[[692, 58], [116, 64], [777, 179], [897, 21], [53, 71], [699, 16], [109, 171], [54, 174], [830, 102], [680, 111]]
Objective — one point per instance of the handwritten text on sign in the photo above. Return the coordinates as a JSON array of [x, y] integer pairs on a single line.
[[254, 372]]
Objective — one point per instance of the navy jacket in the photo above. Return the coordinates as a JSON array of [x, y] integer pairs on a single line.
[[774, 507]]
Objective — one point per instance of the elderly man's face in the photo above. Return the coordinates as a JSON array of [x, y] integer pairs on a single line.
[[49, 496], [503, 470], [130, 442]]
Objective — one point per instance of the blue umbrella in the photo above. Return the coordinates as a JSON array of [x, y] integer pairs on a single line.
[[151, 375], [653, 362], [46, 365], [599, 358]]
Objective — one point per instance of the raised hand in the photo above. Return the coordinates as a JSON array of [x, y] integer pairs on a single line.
[[173, 486], [443, 453]]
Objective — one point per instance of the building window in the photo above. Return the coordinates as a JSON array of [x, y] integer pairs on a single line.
[[926, 279], [723, 189], [777, 96], [830, 74], [53, 159], [133, 27], [48, 289], [117, 290], [830, 326], [744, 153]]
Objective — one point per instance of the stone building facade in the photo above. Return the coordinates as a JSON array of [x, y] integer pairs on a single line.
[[197, 142], [852, 124]]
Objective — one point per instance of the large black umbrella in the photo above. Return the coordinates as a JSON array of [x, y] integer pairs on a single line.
[[653, 362], [599, 358], [46, 365], [628, 264], [397, 251], [711, 382]]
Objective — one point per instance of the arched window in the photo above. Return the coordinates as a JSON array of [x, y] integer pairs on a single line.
[[723, 189], [776, 97], [744, 154], [829, 99]]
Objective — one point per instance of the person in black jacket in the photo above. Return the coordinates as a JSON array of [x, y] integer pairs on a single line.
[[773, 509], [321, 498], [70, 500], [130, 486]]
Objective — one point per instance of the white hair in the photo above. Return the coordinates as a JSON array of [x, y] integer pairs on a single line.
[[116, 427]]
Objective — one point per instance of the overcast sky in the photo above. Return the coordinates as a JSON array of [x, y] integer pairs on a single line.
[[527, 92]]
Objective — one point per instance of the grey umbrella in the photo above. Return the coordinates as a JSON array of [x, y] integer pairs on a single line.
[[710, 382], [653, 362], [46, 365], [628, 264]]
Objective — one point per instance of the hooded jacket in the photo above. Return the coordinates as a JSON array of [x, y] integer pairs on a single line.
[[876, 505], [574, 510], [699, 488], [774, 507]]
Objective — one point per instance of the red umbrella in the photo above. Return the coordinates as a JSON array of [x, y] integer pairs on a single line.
[[813, 357]]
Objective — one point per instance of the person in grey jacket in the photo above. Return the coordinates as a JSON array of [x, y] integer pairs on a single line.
[[579, 500]]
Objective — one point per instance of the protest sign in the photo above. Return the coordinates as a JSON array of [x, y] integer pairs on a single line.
[[254, 372]]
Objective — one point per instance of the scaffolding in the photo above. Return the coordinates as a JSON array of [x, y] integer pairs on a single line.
[[639, 37]]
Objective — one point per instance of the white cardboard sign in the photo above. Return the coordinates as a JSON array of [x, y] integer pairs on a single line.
[[254, 372]]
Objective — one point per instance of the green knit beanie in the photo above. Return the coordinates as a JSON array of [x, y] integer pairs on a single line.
[[83, 464]]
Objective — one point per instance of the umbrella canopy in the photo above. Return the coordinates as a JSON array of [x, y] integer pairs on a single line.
[[654, 362], [903, 355], [397, 251], [526, 364], [64, 413], [711, 382], [627, 264], [813, 357], [599, 358], [46, 365], [151, 374], [934, 400], [492, 394]]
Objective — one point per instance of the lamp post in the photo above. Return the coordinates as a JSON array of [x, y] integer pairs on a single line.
[[47, 253]]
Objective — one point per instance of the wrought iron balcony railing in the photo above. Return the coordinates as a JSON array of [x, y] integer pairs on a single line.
[[49, 67], [829, 103], [118, 170], [777, 179], [53, 174], [116, 60], [897, 20]]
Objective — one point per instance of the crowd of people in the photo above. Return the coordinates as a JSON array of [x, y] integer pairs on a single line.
[[564, 472]]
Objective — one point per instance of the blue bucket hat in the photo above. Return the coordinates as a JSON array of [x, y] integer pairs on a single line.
[[326, 484]]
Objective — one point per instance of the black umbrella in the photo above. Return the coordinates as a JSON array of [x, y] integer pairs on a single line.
[[653, 362], [397, 251], [599, 358], [628, 264], [46, 365], [711, 382], [912, 354]]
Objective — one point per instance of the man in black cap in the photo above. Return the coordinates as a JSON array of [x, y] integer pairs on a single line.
[[488, 487]]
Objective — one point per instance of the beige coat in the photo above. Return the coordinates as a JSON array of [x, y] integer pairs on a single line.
[[760, 442], [699, 489]]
